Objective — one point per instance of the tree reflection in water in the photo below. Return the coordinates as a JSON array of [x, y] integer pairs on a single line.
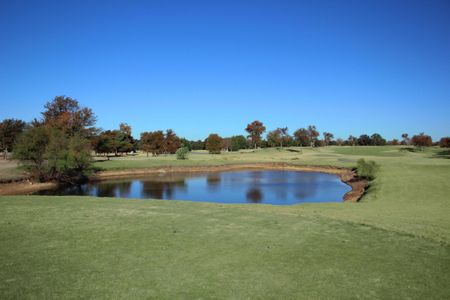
[[162, 189], [254, 195]]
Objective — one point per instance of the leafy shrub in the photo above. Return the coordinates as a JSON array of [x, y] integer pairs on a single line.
[[182, 153], [367, 169]]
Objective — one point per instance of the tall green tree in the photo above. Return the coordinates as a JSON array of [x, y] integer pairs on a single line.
[[238, 142], [10, 129]]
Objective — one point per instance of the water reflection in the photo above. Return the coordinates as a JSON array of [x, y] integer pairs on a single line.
[[273, 187], [254, 195]]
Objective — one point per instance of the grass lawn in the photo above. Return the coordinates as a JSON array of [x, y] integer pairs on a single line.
[[394, 244]]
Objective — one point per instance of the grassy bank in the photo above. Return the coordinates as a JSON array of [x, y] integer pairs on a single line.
[[394, 244]]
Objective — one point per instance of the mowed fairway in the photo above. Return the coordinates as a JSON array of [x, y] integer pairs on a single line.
[[394, 244]]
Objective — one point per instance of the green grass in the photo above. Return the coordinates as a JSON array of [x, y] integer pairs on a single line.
[[9, 171], [394, 244], [106, 248]]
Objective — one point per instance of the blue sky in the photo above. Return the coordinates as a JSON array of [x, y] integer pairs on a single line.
[[349, 67]]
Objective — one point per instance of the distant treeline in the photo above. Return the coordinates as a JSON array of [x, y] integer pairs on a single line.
[[60, 144]]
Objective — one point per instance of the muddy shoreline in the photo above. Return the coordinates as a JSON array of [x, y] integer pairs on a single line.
[[347, 176]]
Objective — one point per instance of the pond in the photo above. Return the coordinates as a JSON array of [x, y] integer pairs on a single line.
[[261, 186]]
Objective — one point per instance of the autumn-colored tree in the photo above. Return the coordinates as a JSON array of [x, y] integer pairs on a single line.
[[214, 143], [445, 142], [394, 142], [313, 134], [66, 114], [10, 129], [255, 130], [422, 140], [125, 128], [171, 142], [327, 137], [104, 143], [153, 142], [274, 138], [302, 137]]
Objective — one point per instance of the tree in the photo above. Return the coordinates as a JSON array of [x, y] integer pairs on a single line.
[[284, 135], [422, 140], [66, 114], [405, 139], [364, 140], [394, 142], [352, 140], [185, 143], [445, 142], [57, 147], [214, 143], [377, 140], [312, 134], [238, 142], [104, 143], [274, 138], [327, 137], [171, 142], [182, 153], [10, 129], [302, 137], [50, 154], [198, 145], [30, 151], [255, 130], [226, 144], [153, 142]]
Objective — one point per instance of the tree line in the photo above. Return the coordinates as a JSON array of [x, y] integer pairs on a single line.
[[59, 145]]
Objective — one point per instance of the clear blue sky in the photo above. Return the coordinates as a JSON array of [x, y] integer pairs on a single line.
[[349, 67]]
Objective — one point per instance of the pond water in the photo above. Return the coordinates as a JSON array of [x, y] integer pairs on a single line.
[[270, 187]]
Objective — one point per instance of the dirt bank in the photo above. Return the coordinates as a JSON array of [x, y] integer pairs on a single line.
[[347, 176], [24, 187]]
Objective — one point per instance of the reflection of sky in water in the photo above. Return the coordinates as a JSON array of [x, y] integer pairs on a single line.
[[273, 187]]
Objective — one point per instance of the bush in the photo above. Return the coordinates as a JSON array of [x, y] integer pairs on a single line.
[[367, 169], [182, 153]]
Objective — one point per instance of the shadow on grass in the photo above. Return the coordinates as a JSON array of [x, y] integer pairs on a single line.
[[409, 149], [442, 154]]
